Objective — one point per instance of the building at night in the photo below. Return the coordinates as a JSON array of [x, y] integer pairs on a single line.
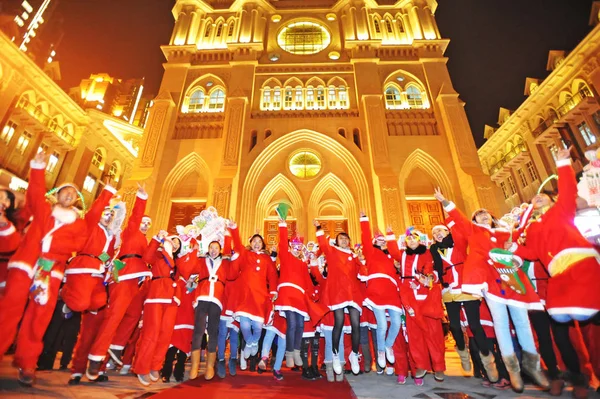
[[560, 110], [330, 106], [84, 145]]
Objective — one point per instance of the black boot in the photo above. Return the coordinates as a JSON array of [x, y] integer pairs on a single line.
[[179, 368], [167, 369], [314, 356], [75, 380], [307, 374]]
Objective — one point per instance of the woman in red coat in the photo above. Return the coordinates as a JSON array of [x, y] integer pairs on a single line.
[[160, 308], [503, 290], [252, 303], [342, 293], [417, 280], [382, 291], [10, 237]]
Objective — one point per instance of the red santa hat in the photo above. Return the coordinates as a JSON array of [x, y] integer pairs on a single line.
[[146, 219], [378, 236], [296, 241], [440, 227]]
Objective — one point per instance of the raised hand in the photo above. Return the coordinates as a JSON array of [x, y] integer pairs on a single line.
[[142, 188], [316, 223], [162, 234], [40, 157], [389, 230], [564, 154], [438, 195], [362, 213]]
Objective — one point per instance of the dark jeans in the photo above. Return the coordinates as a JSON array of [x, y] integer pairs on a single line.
[[294, 331], [474, 320], [338, 326], [543, 324], [61, 335], [213, 311]]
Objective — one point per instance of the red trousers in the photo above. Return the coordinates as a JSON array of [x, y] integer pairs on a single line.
[[90, 324], [426, 345], [590, 337], [155, 337], [119, 298], [401, 353], [129, 353], [35, 320], [84, 292], [130, 319]]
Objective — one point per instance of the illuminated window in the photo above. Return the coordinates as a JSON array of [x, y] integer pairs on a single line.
[[196, 101], [114, 170], [388, 26], [376, 25], [305, 165], [52, 162], [415, 99], [23, 142], [310, 97], [504, 190], [42, 148], [332, 98], [393, 100], [266, 99], [208, 30], [587, 134], [320, 98], [298, 98], [342, 97], [531, 170], [219, 30], [303, 38], [89, 183], [287, 99], [511, 184], [400, 25], [98, 159], [8, 131], [216, 102], [231, 28], [277, 98], [522, 177]]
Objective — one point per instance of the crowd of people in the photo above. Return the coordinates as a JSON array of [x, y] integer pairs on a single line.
[[512, 289]]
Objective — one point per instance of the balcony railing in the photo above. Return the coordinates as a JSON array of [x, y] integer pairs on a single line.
[[46, 121], [562, 110], [509, 156]]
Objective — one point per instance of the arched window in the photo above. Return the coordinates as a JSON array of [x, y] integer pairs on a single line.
[[288, 98], [343, 97], [196, 101], [356, 138], [208, 30], [342, 132], [268, 133], [231, 28], [266, 98], [376, 25], [388, 26], [400, 25], [219, 29], [393, 100], [277, 98], [414, 97], [305, 164], [310, 97], [253, 139], [98, 158], [320, 98], [114, 171], [298, 98], [216, 102], [331, 97]]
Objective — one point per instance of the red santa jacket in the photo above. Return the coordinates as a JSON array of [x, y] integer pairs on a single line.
[[163, 286], [99, 239], [480, 277], [382, 285], [411, 266], [343, 268], [453, 259], [134, 243], [257, 282], [10, 238], [55, 233]]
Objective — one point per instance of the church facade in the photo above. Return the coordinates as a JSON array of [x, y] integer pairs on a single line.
[[331, 107]]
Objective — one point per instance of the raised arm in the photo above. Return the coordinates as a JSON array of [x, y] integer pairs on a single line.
[[322, 239], [92, 216], [135, 219], [238, 246], [282, 245], [463, 223], [392, 245], [365, 236], [150, 253], [35, 196], [567, 183]]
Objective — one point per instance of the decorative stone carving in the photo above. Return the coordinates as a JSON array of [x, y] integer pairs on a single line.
[[390, 206], [153, 138], [234, 129], [221, 199]]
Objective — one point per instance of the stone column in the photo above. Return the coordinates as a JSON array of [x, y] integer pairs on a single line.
[[193, 30], [415, 22]]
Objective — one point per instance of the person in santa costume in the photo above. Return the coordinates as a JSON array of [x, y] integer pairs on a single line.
[[10, 236], [417, 286], [382, 291], [252, 303], [160, 308], [213, 270], [491, 273], [36, 269], [449, 252], [228, 330], [294, 283], [342, 293], [275, 330], [84, 287], [124, 283]]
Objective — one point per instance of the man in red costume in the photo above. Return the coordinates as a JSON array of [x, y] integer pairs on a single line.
[[124, 286], [37, 269]]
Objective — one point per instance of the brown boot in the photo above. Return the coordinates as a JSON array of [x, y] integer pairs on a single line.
[[465, 359], [556, 387], [580, 392], [195, 356], [514, 371], [531, 367], [210, 365], [489, 364]]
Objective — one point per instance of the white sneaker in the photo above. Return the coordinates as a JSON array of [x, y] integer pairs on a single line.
[[389, 353], [125, 369], [337, 366], [353, 358], [248, 351], [389, 371], [243, 363], [381, 359], [254, 349]]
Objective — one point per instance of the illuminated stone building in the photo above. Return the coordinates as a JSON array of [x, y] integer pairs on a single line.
[[85, 146], [331, 106], [559, 111]]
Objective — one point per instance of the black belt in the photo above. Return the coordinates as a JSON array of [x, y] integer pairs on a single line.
[[208, 278], [90, 255], [130, 256], [159, 277]]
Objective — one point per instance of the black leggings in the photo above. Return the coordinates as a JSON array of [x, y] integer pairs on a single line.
[[338, 326], [542, 323], [474, 320], [213, 311]]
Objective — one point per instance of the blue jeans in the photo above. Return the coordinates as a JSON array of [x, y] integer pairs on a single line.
[[222, 341], [328, 334], [520, 319], [266, 348], [294, 331], [251, 330], [382, 327]]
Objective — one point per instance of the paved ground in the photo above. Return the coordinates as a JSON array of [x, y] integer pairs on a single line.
[[368, 386]]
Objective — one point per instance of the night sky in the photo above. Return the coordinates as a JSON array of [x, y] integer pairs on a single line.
[[495, 44]]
